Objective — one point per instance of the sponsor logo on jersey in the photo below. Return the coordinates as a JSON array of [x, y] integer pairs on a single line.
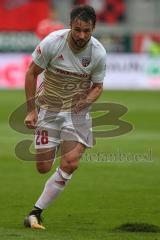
[[86, 61], [74, 74]]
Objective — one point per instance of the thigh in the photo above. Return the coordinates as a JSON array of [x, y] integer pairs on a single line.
[[72, 148], [44, 159]]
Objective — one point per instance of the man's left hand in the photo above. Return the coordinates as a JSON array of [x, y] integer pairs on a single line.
[[81, 104]]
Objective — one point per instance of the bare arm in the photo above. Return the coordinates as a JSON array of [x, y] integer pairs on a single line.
[[94, 92], [30, 85], [30, 90], [91, 97]]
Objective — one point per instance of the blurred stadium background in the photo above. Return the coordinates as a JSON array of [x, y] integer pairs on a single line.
[[128, 29], [118, 180]]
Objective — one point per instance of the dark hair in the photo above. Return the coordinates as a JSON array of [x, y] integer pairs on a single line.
[[84, 13]]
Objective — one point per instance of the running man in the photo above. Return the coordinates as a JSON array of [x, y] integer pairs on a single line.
[[74, 66]]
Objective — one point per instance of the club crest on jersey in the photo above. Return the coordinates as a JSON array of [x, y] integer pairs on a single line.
[[85, 61]]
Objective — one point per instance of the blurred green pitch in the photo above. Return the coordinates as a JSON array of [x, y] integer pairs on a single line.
[[102, 195]]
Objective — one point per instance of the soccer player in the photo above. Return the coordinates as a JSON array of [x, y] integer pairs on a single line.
[[74, 66]]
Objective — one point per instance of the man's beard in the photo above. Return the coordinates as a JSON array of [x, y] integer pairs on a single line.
[[79, 41]]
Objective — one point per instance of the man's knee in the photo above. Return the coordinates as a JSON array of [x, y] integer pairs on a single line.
[[69, 164]]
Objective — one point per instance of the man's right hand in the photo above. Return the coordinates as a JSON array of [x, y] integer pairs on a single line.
[[31, 119]]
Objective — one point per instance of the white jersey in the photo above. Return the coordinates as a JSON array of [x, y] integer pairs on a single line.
[[67, 73]]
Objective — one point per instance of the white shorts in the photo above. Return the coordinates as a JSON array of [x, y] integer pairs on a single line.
[[53, 128]]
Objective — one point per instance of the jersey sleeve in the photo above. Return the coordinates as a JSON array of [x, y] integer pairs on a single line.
[[44, 52], [99, 71]]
